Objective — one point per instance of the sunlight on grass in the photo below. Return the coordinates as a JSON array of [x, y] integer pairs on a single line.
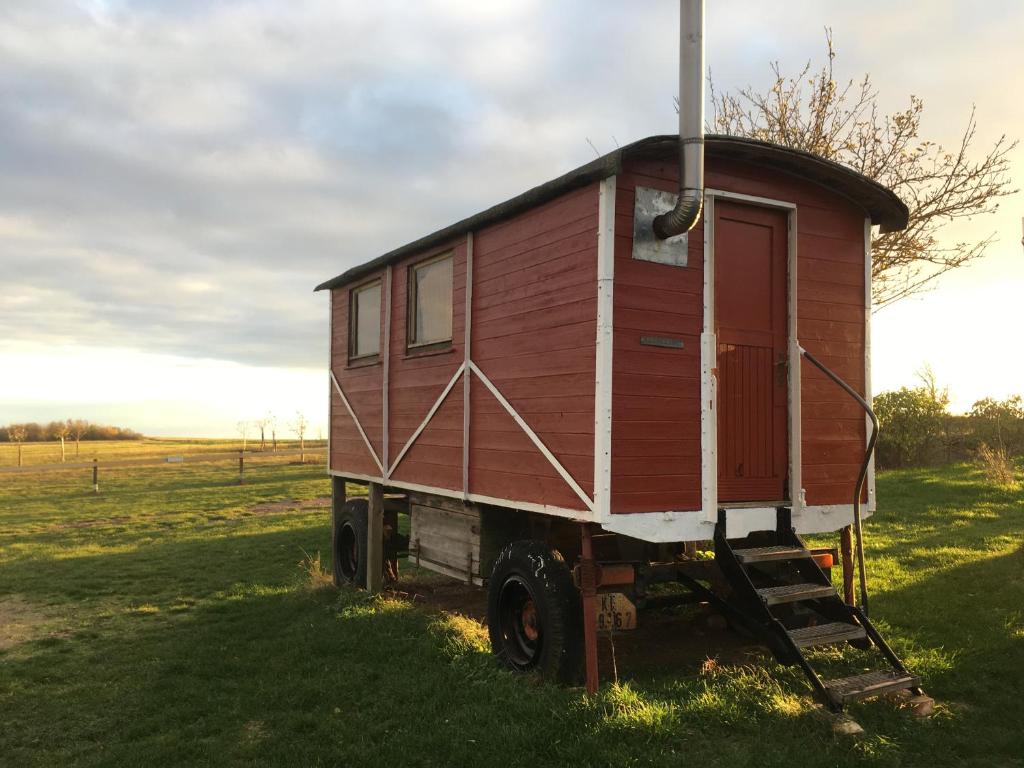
[[461, 634], [365, 605], [167, 622], [144, 609], [625, 707]]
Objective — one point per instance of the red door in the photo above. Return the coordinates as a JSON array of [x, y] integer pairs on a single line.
[[750, 320]]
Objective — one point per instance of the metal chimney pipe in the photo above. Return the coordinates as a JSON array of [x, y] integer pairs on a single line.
[[691, 124]]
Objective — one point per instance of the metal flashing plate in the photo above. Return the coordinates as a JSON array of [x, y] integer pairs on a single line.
[[646, 246]]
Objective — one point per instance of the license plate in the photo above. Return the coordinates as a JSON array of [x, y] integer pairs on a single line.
[[615, 612]]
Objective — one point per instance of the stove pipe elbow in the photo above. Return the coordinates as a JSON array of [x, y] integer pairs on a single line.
[[691, 124]]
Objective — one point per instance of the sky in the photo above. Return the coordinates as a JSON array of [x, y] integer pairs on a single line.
[[177, 175]]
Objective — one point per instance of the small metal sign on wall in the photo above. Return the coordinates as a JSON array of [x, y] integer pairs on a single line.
[[646, 246]]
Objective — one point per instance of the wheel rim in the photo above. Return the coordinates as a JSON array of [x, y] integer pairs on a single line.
[[521, 631], [348, 552]]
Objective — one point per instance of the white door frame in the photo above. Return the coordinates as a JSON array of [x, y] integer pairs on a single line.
[[709, 357]]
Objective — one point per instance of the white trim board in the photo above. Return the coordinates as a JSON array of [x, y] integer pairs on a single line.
[[465, 364], [385, 374], [708, 377], [690, 525], [872, 499], [330, 386], [526, 506], [604, 349]]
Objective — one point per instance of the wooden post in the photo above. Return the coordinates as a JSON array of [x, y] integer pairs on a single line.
[[846, 548], [375, 538], [241, 468], [338, 499], [95, 475], [588, 590]]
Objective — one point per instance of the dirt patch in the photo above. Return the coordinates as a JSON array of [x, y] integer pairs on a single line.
[[289, 505], [443, 594], [21, 622]]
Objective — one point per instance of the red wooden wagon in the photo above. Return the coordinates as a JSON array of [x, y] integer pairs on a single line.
[[563, 401]]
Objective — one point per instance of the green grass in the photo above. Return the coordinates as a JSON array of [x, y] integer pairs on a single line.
[[147, 447], [166, 622]]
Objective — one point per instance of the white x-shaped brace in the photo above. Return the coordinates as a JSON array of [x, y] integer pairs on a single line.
[[386, 473]]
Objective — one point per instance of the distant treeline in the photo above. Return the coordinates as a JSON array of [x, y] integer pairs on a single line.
[[71, 429], [918, 430]]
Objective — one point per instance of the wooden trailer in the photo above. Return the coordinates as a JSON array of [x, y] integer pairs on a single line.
[[563, 402]]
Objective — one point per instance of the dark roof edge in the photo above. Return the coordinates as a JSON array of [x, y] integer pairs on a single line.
[[884, 207]]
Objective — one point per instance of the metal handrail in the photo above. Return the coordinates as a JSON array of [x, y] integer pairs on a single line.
[[863, 470]]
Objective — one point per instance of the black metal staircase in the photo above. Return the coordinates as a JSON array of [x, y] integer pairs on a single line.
[[779, 593]]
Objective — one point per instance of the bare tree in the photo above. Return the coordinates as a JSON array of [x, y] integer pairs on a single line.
[[261, 425], [79, 427], [61, 430], [841, 122], [272, 424], [17, 433], [243, 430], [299, 427]]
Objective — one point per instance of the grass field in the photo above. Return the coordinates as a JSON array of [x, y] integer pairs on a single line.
[[106, 450], [167, 622]]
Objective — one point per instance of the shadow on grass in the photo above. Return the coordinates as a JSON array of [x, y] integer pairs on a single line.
[[210, 651], [207, 650]]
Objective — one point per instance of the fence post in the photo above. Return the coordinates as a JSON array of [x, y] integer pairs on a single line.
[[95, 475], [241, 468]]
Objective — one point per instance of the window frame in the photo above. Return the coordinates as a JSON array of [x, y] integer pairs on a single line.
[[411, 345], [353, 321]]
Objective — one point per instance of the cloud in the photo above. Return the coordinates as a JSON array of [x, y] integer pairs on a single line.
[[176, 176]]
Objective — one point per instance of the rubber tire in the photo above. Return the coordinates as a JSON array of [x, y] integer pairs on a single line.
[[351, 518], [557, 601]]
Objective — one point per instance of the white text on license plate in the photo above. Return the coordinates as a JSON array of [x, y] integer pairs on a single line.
[[615, 612]]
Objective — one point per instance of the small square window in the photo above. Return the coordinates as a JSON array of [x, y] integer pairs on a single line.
[[430, 303], [364, 322]]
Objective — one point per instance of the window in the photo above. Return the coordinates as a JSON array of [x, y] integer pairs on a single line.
[[364, 322], [430, 303]]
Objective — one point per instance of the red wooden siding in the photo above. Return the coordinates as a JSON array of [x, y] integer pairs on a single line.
[[656, 392], [533, 331], [533, 335], [362, 384]]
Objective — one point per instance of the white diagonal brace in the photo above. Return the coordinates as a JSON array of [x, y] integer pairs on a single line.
[[533, 437], [430, 415], [359, 426]]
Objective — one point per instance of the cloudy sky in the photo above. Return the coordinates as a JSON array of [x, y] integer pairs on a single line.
[[176, 175]]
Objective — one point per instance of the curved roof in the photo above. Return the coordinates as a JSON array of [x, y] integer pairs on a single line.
[[877, 201]]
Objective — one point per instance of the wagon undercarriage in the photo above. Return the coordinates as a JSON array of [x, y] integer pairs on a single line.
[[555, 586]]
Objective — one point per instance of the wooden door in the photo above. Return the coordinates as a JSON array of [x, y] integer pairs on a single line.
[[751, 324]]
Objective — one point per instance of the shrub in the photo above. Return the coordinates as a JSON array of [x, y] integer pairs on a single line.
[[997, 465]]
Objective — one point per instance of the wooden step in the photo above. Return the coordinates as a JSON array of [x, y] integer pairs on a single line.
[[825, 634], [878, 683], [791, 593], [764, 554]]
